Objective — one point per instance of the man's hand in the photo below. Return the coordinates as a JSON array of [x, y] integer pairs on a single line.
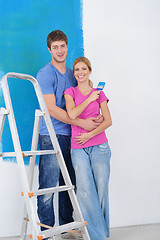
[[99, 119], [89, 124]]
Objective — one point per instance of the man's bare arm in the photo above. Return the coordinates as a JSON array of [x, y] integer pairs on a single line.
[[62, 115]]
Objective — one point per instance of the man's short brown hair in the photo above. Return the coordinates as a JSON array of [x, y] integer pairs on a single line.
[[56, 35]]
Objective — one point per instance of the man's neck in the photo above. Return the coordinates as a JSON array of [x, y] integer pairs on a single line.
[[60, 66]]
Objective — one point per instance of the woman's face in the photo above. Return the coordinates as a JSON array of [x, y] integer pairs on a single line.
[[81, 72]]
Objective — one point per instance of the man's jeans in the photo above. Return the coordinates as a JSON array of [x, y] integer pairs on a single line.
[[49, 175], [92, 169]]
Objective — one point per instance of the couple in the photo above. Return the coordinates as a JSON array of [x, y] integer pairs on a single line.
[[72, 100]]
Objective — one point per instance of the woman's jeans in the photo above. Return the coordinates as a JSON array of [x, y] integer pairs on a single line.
[[49, 175], [92, 169]]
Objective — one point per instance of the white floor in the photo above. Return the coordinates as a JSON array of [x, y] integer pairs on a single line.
[[141, 232]]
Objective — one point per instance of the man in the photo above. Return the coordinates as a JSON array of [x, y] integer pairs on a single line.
[[54, 78]]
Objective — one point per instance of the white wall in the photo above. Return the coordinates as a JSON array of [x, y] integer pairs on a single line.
[[121, 39], [11, 201]]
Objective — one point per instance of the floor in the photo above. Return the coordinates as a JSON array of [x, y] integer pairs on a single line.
[[141, 232]]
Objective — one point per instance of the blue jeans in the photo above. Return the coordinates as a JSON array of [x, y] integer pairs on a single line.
[[92, 169], [49, 175]]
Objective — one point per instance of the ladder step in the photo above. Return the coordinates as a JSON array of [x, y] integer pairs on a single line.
[[63, 228], [42, 152], [40, 224], [29, 153], [51, 190]]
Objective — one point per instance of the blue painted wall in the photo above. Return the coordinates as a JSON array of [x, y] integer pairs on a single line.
[[24, 26]]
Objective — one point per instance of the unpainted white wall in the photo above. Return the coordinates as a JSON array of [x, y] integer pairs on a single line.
[[11, 201], [121, 38]]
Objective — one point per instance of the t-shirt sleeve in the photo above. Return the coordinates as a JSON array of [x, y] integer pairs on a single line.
[[70, 91], [103, 97], [46, 81]]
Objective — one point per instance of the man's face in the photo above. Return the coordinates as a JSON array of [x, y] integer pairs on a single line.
[[59, 51]]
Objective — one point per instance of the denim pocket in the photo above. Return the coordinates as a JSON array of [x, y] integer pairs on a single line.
[[46, 140]]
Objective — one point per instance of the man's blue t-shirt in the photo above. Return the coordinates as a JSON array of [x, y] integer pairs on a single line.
[[54, 82]]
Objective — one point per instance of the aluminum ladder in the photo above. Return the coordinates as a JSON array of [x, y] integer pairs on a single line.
[[30, 214]]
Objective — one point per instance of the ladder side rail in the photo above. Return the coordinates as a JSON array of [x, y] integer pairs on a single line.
[[52, 134], [60, 159], [62, 165], [35, 136], [54, 141], [18, 152], [2, 120], [3, 113], [38, 115]]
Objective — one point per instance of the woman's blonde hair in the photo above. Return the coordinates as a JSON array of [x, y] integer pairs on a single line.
[[87, 62]]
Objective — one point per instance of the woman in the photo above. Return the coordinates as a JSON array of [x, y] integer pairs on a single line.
[[90, 151]]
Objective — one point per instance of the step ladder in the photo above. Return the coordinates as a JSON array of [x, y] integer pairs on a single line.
[[30, 214]]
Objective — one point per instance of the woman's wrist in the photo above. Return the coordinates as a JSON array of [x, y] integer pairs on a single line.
[[90, 134]]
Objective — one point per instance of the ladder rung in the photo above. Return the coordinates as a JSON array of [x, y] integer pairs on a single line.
[[50, 190], [29, 153], [63, 228], [40, 224], [42, 152]]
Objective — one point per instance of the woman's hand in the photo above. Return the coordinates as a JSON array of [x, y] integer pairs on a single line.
[[82, 138], [94, 96]]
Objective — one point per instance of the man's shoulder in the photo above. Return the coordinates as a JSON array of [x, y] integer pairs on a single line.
[[69, 70], [45, 69]]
